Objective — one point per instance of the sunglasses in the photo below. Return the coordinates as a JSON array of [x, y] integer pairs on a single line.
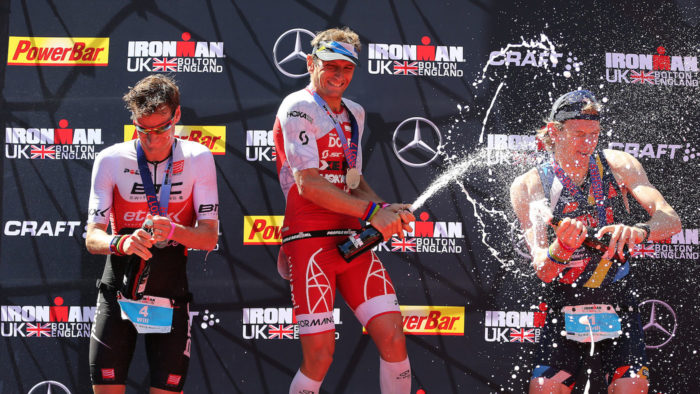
[[158, 129]]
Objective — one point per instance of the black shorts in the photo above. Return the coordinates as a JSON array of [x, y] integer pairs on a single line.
[[561, 359], [113, 340]]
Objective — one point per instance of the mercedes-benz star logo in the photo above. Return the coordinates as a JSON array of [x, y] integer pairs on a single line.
[[657, 330], [51, 387], [297, 52], [417, 152]]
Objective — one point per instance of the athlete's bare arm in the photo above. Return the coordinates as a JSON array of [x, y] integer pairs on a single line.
[[630, 175], [313, 187], [526, 194], [97, 241]]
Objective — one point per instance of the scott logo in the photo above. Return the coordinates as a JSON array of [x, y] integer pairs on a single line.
[[262, 230]]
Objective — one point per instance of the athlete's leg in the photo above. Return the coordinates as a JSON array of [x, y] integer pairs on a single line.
[[109, 388], [387, 333], [548, 386], [629, 386], [317, 351]]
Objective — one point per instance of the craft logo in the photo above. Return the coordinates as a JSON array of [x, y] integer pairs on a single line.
[[58, 51], [260, 145], [419, 60], [56, 321], [427, 237], [213, 137], [275, 323], [262, 230], [683, 151], [32, 228], [646, 69], [431, 320], [62, 143], [532, 57], [514, 326], [175, 56], [682, 246]]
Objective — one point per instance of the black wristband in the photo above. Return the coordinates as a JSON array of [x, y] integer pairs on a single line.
[[647, 231]]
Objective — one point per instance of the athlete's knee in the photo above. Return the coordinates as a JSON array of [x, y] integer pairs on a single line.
[[318, 355], [547, 386], [637, 385]]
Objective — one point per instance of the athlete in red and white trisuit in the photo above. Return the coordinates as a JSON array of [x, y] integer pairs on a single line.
[[118, 196], [312, 167]]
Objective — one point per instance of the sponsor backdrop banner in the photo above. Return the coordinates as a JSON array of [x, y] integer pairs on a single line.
[[447, 86]]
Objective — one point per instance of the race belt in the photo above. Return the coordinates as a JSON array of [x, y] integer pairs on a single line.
[[591, 323], [316, 234], [149, 314]]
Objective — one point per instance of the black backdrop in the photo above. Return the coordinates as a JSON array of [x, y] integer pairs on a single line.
[[489, 84]]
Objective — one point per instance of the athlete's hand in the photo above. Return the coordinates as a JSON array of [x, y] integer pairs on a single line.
[[621, 235], [138, 243], [161, 227], [571, 233], [388, 223], [406, 214]]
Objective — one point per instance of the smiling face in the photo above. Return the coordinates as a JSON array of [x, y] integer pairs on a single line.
[[575, 142], [330, 78]]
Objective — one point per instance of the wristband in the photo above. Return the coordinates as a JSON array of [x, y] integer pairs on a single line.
[[555, 259], [370, 211], [374, 212], [647, 230], [172, 231], [114, 245], [120, 245], [384, 204], [566, 248]]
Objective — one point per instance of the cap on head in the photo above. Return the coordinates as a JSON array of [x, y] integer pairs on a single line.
[[579, 104], [334, 50]]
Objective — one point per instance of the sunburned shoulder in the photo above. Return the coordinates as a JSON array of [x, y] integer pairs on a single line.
[[620, 161]]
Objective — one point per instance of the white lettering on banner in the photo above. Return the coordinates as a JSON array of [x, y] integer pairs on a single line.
[[647, 69], [654, 151], [275, 323], [35, 229], [531, 58], [260, 145], [175, 56]]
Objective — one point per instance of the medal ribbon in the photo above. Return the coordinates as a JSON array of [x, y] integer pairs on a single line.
[[596, 187], [154, 206], [349, 149]]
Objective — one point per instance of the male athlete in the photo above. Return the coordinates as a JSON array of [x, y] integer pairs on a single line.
[[143, 289], [319, 161], [589, 295]]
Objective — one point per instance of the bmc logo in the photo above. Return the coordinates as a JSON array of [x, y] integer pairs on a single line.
[[262, 230]]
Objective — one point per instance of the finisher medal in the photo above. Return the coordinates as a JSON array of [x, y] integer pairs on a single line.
[[352, 178]]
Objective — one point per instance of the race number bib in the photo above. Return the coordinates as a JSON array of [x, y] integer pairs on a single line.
[[149, 315], [591, 323]]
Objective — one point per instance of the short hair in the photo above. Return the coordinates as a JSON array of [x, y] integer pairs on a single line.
[[591, 108], [150, 93], [341, 35]]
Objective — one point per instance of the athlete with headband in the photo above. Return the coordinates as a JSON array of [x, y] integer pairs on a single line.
[[160, 195], [590, 296], [319, 162]]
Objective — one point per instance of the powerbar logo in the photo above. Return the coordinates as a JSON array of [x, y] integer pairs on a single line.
[[512, 326], [275, 323], [427, 237], [260, 145], [61, 143], [46, 321], [682, 246], [419, 60], [431, 320], [175, 56], [262, 230], [659, 69], [657, 151], [213, 137], [58, 51]]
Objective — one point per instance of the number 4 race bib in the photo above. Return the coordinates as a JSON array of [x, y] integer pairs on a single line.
[[591, 323], [150, 315]]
